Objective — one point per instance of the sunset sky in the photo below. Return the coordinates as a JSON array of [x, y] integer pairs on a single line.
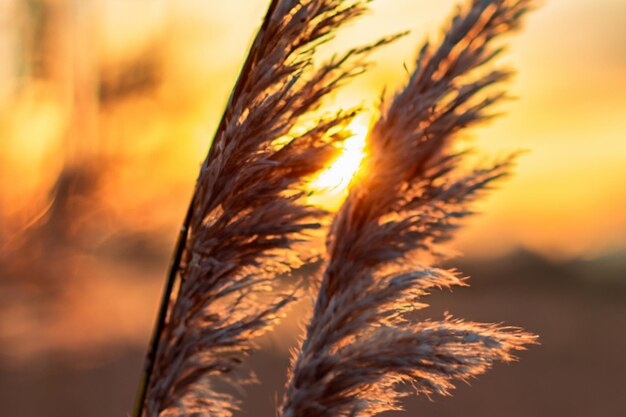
[[566, 199]]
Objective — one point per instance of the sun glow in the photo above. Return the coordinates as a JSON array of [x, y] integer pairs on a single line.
[[330, 186]]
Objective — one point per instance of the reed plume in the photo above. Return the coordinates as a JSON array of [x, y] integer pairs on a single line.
[[248, 210], [363, 344]]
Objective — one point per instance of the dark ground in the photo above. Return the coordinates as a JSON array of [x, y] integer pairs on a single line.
[[578, 308]]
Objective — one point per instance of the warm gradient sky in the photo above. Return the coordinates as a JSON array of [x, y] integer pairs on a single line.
[[570, 189]]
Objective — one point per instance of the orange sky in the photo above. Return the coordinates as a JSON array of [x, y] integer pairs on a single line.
[[568, 195]]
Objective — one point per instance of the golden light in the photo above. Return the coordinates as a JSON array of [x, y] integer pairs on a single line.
[[330, 187]]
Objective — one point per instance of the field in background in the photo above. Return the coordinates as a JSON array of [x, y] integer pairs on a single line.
[[577, 371]]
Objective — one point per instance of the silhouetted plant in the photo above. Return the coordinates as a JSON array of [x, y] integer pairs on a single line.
[[249, 210], [362, 344]]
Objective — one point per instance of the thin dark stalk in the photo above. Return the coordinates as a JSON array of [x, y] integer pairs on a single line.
[[179, 247], [172, 274]]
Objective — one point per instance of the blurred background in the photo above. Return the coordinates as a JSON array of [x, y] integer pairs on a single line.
[[107, 109]]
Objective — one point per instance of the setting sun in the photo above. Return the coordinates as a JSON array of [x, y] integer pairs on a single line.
[[331, 184]]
